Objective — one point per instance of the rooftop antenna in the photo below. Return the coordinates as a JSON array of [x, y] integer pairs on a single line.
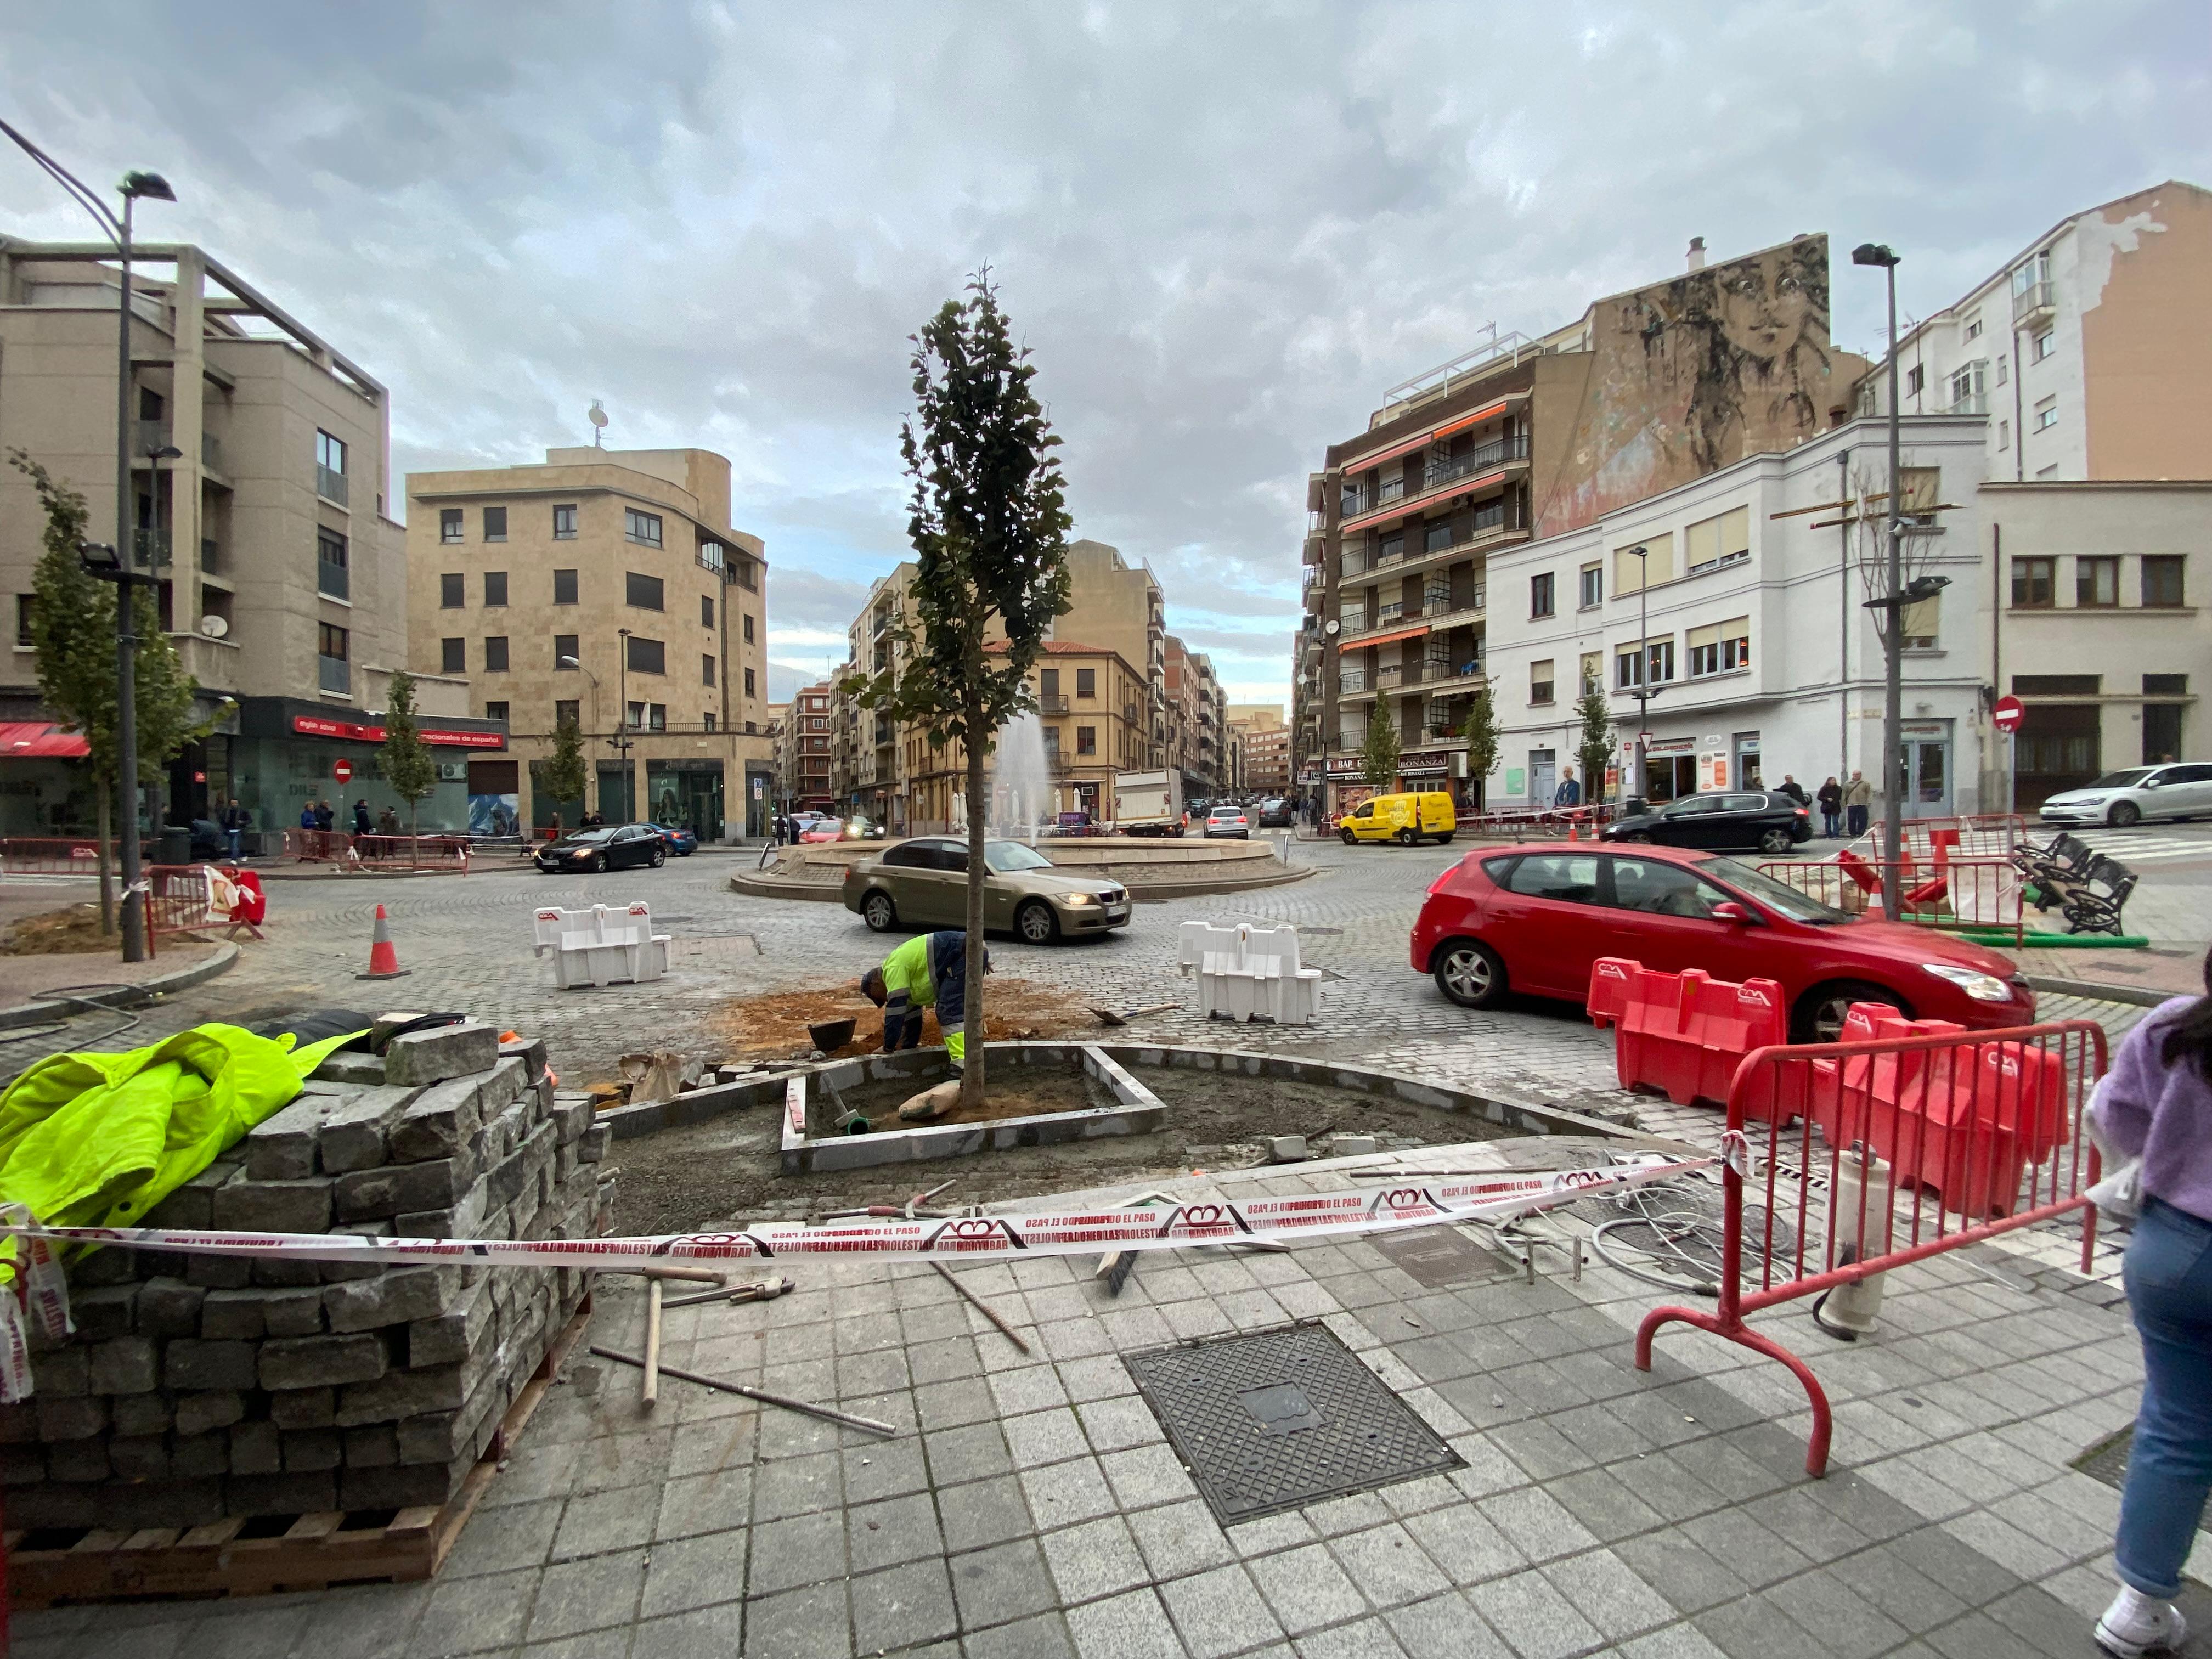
[[598, 416]]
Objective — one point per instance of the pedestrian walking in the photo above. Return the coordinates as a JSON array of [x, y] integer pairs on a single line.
[[1858, 793], [361, 823], [325, 814], [387, 822], [1830, 795], [2155, 1105], [1570, 793], [1794, 789], [235, 822]]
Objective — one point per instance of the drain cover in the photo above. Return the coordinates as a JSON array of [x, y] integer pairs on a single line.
[[1273, 1419], [1436, 1256], [2107, 1461]]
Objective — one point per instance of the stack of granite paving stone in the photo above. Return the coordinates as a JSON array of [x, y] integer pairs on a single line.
[[199, 1386]]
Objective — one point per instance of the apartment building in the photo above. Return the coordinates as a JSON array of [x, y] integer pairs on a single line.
[[604, 588], [806, 764], [2087, 350], [260, 454], [1524, 439], [1264, 747], [1196, 729], [875, 781], [1120, 608]]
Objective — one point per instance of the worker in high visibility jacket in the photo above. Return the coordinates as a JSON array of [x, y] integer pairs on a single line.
[[929, 970]]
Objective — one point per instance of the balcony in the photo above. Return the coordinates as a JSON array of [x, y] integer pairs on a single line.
[[1352, 682], [1453, 474], [332, 581], [1054, 704], [1452, 468], [335, 673], [330, 485], [1389, 679], [1971, 402], [2034, 303]]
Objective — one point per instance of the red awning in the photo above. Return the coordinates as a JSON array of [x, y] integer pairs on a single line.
[[1366, 640], [1407, 446], [36, 740]]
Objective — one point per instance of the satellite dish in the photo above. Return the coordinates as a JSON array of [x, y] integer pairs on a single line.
[[598, 416], [214, 627], [1331, 628]]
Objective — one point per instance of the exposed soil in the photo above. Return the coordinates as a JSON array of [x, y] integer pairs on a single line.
[[708, 1174], [72, 930], [1016, 1092], [773, 1026]]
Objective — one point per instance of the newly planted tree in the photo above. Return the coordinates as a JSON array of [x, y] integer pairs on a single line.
[[1378, 755], [1480, 730], [408, 766], [1594, 747], [988, 521]]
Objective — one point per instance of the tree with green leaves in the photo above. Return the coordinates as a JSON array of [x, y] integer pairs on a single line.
[[564, 775], [989, 520], [73, 644], [1378, 755], [1593, 743], [408, 766], [1480, 730]]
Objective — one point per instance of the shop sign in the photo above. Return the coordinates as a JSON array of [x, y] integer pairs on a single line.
[[1669, 747], [313, 726], [1345, 767], [342, 771], [1426, 764]]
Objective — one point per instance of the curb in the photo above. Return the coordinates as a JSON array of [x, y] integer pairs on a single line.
[[127, 996], [2098, 992]]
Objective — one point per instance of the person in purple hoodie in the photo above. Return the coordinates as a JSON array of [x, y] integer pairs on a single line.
[[2156, 1104]]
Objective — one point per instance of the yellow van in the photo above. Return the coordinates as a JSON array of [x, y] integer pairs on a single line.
[[1405, 819]]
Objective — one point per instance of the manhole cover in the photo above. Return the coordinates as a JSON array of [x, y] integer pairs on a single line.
[[2107, 1461], [1274, 1420], [1436, 1256]]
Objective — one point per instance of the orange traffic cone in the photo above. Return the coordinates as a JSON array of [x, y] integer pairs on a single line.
[[383, 960], [1574, 829]]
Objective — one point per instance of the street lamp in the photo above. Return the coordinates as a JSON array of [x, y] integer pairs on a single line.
[[154, 188], [1892, 689], [1643, 692]]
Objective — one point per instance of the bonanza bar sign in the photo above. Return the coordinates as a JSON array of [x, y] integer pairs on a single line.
[[311, 725]]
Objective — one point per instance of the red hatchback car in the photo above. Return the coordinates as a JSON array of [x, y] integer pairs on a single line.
[[1533, 919]]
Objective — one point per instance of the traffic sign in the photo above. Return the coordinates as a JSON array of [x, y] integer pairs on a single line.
[[342, 771], [2007, 714]]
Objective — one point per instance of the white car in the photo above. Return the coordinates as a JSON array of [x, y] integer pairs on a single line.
[[1225, 820], [2183, 790]]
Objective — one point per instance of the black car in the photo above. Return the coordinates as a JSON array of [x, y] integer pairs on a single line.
[[1277, 814], [1771, 821], [618, 846]]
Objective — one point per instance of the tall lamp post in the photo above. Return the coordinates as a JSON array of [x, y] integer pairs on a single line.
[[1643, 693], [622, 731], [1892, 601], [570, 662], [118, 564]]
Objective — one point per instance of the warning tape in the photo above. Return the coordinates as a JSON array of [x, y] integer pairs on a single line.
[[1067, 1232]]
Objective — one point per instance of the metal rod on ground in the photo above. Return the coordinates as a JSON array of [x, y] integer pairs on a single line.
[[766, 1291], [650, 1390], [981, 1306], [696, 1275], [827, 1413]]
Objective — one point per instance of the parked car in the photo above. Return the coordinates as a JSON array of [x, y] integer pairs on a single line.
[[1276, 813], [1768, 820], [1533, 919], [1227, 819], [2120, 799], [614, 847], [1407, 819], [922, 882], [681, 841]]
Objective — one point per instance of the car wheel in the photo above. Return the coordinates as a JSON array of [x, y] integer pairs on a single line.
[[1444, 840], [1350, 840], [598, 864], [1774, 841], [1408, 838], [660, 857], [2124, 815], [1819, 1014], [1035, 923], [1470, 973], [878, 911]]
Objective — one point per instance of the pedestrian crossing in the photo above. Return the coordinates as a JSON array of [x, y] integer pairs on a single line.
[[2133, 849]]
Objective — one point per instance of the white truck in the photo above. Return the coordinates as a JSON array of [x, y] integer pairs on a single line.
[[1148, 803]]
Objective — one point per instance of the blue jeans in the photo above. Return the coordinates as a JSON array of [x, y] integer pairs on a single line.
[[1831, 826], [234, 836], [2168, 1274]]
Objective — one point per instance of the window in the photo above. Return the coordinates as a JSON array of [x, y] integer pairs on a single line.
[[1563, 877], [495, 588], [705, 611], [1920, 625], [646, 656], [1540, 594], [453, 656], [1048, 683], [648, 717], [2045, 343], [564, 587], [449, 523], [1913, 380], [565, 654], [2056, 685], [1539, 681], [1593, 589], [1086, 684], [2046, 415], [706, 670], [1629, 663], [1666, 890], [2096, 581], [1973, 328], [1086, 739], [332, 579], [641, 593], [1592, 667], [707, 720], [329, 451], [567, 711], [2004, 434], [1719, 647], [749, 630], [495, 524], [641, 526], [1392, 548], [333, 647], [2166, 685], [495, 654], [1629, 572], [2004, 370], [1437, 537], [27, 608], [2032, 584], [749, 681], [452, 591], [150, 405], [2162, 580], [1723, 540], [495, 711], [564, 524]]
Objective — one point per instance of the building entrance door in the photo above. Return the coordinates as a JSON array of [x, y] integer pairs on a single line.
[[1927, 756], [687, 797]]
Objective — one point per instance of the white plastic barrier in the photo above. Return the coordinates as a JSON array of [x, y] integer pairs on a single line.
[[1251, 973], [602, 945]]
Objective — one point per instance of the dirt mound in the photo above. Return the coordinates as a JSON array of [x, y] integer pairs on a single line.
[[72, 930], [773, 1026]]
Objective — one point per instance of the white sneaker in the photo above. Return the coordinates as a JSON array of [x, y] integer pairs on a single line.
[[2135, 1625]]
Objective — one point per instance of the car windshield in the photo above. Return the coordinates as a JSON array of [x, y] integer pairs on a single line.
[[1006, 857], [1774, 894], [592, 835], [2127, 779]]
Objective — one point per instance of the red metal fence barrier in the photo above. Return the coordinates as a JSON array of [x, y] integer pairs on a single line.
[[55, 855], [1980, 893], [180, 898], [377, 852], [1898, 1149]]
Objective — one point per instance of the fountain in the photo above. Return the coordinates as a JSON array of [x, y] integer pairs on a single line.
[[1021, 787]]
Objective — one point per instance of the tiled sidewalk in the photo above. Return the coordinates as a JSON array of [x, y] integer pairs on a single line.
[[1031, 1507]]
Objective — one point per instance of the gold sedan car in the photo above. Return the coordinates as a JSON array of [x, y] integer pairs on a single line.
[[923, 883]]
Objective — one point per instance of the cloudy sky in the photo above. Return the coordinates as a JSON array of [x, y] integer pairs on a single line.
[[1224, 229]]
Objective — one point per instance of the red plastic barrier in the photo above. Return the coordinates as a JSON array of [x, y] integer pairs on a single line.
[[1859, 871], [1608, 988], [1685, 1033]]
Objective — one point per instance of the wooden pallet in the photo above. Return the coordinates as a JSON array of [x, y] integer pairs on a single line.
[[266, 1554]]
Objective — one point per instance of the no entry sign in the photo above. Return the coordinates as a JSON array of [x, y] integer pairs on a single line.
[[2007, 714], [341, 770]]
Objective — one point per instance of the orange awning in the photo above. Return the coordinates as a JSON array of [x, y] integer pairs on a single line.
[[1366, 640], [1408, 445], [37, 740]]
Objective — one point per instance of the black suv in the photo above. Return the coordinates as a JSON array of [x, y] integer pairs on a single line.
[[1766, 820]]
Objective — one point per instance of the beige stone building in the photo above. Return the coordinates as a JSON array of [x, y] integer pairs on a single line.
[[1120, 607], [807, 759], [283, 576], [608, 587], [1263, 746]]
